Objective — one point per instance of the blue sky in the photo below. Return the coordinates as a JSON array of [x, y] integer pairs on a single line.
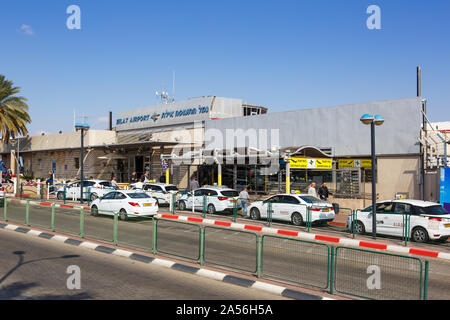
[[282, 54]]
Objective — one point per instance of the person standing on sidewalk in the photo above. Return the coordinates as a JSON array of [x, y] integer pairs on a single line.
[[312, 190], [323, 192], [244, 197], [194, 185]]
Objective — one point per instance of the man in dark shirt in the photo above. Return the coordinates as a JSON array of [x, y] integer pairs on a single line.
[[323, 192]]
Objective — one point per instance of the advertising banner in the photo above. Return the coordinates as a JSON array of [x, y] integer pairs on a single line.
[[445, 188], [305, 163]]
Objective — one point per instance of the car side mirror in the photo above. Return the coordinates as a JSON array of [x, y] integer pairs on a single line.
[[100, 198]]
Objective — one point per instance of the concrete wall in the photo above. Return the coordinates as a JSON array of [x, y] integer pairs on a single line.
[[397, 175]]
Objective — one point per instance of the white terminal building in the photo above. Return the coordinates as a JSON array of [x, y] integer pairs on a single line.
[[230, 142]]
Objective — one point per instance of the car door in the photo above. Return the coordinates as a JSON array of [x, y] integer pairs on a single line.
[[198, 199], [117, 202], [274, 201], [104, 204], [75, 190], [285, 208], [157, 193], [396, 221], [385, 218]]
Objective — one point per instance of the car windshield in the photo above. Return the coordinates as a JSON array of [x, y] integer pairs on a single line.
[[432, 210], [311, 199], [105, 184], [171, 188], [138, 195], [230, 193]]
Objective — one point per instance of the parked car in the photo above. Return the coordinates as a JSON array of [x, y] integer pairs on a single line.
[[97, 188], [428, 220], [127, 203], [292, 207], [162, 192], [218, 198]]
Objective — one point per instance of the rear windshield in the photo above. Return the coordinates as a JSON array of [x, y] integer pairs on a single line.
[[311, 199], [138, 195], [171, 188], [230, 193], [433, 210]]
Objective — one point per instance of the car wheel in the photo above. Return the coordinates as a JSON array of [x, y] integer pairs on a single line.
[[211, 209], [254, 214], [123, 215], [296, 219], [360, 229], [94, 211], [419, 234], [60, 196], [93, 197], [182, 205]]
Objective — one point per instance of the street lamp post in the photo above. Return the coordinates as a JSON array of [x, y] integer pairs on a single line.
[[373, 121], [82, 127]]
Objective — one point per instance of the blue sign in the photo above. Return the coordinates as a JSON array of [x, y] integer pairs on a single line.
[[53, 166], [445, 188]]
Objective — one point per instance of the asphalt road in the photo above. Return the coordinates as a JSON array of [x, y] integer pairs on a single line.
[[35, 268], [289, 260]]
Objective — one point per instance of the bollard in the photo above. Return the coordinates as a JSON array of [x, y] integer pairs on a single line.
[[41, 189], [308, 218], [21, 190], [235, 209], [174, 203], [27, 213], [82, 223], [116, 222], [52, 222]]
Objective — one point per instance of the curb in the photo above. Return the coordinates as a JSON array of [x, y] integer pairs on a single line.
[[214, 275], [298, 234]]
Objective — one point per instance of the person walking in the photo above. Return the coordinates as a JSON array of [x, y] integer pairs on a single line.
[[244, 198], [133, 178], [114, 183], [193, 185], [312, 190], [323, 192]]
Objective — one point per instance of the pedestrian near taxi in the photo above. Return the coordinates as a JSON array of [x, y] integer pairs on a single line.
[[323, 192], [244, 198], [312, 190]]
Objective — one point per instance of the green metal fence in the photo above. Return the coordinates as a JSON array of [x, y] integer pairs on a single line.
[[297, 261], [345, 270], [230, 248], [377, 275], [188, 239]]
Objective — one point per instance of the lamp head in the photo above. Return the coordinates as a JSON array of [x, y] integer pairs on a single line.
[[367, 118], [378, 120]]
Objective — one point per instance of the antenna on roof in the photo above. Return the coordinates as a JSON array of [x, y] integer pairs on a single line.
[[164, 95]]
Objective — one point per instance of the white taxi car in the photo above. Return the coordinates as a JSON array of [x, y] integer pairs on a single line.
[[127, 203], [162, 192], [427, 220], [292, 207], [97, 188], [218, 198]]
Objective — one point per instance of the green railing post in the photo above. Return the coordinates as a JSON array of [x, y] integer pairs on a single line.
[[82, 222], [353, 223], [174, 202], [5, 205], [235, 209], [27, 213], [116, 223], [65, 196], [89, 196], [259, 256], [308, 218], [52, 223], [425, 281], [155, 236], [202, 246], [204, 207], [269, 214], [41, 191], [21, 190], [332, 271]]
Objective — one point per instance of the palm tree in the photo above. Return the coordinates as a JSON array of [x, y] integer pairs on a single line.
[[13, 111]]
